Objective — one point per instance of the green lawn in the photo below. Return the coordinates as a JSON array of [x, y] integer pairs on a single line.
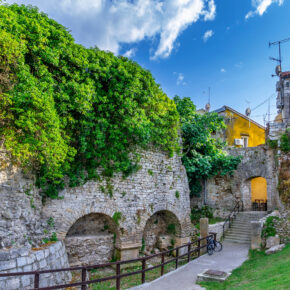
[[259, 272]]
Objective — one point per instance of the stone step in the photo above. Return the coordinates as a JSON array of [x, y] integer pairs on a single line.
[[237, 241], [238, 237], [244, 227], [238, 231]]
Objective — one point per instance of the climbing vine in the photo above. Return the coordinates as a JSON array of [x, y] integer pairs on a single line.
[[203, 155], [66, 110]]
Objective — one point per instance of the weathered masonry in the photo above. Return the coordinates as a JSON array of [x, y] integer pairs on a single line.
[[115, 225], [255, 179], [101, 219]]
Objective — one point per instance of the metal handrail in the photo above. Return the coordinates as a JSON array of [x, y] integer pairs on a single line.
[[239, 206], [118, 264]]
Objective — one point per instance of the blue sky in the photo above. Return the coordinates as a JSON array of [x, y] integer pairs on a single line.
[[169, 38]]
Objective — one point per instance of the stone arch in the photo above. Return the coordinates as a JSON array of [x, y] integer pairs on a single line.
[[246, 190], [91, 239], [162, 230]]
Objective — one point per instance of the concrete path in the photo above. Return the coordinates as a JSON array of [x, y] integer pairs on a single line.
[[184, 278]]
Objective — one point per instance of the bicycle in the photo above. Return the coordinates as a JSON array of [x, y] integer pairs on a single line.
[[213, 245]]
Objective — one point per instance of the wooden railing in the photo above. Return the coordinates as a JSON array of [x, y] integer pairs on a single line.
[[190, 249], [239, 206]]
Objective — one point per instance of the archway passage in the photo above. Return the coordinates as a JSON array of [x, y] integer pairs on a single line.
[[91, 240], [259, 193], [160, 232]]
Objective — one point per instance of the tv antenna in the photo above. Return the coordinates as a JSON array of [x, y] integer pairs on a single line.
[[279, 60], [207, 106]]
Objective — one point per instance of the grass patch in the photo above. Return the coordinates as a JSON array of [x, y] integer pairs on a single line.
[[134, 280], [259, 272], [126, 282]]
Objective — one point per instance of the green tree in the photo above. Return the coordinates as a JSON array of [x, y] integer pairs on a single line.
[[66, 110], [203, 155]]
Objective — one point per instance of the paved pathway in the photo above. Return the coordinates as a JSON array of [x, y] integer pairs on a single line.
[[231, 257]]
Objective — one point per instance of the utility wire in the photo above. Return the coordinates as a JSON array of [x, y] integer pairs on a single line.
[[264, 102]]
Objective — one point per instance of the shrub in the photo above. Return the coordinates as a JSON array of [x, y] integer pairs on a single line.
[[269, 227], [198, 213], [285, 143]]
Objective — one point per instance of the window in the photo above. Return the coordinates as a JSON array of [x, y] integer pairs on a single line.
[[245, 141]]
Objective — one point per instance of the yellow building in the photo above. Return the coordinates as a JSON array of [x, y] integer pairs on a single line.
[[241, 131]]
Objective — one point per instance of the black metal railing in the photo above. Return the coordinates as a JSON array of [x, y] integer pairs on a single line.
[[239, 206], [201, 243]]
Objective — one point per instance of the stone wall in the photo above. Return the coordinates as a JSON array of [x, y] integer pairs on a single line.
[[24, 260], [125, 204], [221, 193], [160, 185], [20, 207]]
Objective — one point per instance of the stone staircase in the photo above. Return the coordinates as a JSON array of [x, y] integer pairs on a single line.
[[240, 230]]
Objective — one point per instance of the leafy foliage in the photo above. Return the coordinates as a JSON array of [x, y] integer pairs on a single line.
[[198, 213], [285, 142], [66, 110], [203, 155], [269, 229]]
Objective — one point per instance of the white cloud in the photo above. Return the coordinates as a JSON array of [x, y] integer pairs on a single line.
[[208, 34], [180, 79], [239, 64], [109, 24], [130, 53], [261, 7], [223, 70]]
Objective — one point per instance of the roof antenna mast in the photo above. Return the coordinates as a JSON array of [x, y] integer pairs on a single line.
[[279, 42], [207, 106]]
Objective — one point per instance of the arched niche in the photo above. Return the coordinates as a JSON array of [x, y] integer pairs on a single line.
[[91, 240], [161, 231]]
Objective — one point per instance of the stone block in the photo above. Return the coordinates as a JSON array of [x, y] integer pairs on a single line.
[[164, 242], [39, 255], [275, 249], [42, 264], [28, 268], [128, 252], [6, 265], [4, 256], [256, 231], [212, 276], [272, 241], [26, 281], [22, 261], [13, 284]]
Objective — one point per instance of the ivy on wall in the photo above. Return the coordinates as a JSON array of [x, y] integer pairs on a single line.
[[66, 110], [203, 155]]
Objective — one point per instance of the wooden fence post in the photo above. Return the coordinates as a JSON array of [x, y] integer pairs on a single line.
[[143, 270], [84, 278], [36, 280], [162, 262], [118, 279]]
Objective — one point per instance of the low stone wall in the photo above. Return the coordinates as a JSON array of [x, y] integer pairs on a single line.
[[216, 228], [25, 260]]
